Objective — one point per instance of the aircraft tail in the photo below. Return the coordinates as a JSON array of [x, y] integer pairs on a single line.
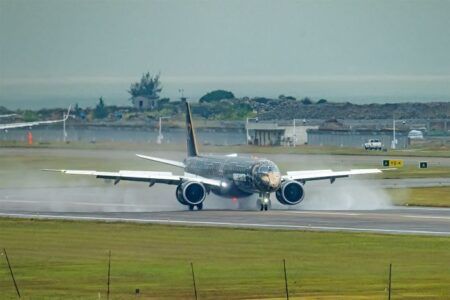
[[191, 141]]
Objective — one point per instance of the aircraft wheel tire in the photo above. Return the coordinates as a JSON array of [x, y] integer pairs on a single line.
[[200, 206], [191, 207], [266, 207]]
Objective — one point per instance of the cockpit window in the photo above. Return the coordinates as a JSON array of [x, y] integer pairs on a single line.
[[266, 168]]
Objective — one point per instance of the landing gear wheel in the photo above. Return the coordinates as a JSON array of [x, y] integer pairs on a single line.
[[200, 206], [191, 207], [261, 207], [266, 207]]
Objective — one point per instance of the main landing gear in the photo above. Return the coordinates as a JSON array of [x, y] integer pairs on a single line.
[[199, 206], [263, 201]]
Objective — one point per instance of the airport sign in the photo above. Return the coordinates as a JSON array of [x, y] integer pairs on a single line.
[[393, 163]]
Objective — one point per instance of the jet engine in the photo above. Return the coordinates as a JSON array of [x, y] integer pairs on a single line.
[[191, 193], [290, 193]]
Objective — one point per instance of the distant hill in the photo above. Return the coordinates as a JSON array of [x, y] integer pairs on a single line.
[[279, 110]]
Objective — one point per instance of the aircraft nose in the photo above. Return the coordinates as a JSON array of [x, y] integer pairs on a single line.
[[271, 181]]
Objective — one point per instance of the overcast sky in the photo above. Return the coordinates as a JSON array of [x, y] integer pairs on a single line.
[[52, 50]]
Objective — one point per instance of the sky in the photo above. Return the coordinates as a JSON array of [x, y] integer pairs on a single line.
[[55, 52]]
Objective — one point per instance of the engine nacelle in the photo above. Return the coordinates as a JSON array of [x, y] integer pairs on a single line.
[[191, 193], [290, 193]]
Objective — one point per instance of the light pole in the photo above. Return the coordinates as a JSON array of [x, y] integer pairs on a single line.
[[64, 128], [394, 138], [160, 135], [295, 132], [246, 127]]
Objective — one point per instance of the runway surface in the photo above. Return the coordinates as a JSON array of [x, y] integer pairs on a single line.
[[423, 221]]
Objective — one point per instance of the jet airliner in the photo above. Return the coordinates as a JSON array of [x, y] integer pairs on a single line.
[[30, 124], [229, 176]]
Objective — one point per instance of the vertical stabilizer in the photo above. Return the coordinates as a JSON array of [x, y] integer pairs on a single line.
[[191, 141]]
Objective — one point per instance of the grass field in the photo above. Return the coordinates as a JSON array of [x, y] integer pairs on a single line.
[[68, 260], [434, 196]]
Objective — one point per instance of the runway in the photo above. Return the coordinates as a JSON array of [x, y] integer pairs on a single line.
[[422, 221], [356, 205]]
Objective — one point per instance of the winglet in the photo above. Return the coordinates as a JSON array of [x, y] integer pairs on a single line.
[[53, 170]]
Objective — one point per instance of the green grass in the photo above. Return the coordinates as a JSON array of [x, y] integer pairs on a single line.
[[411, 171], [433, 196], [68, 260]]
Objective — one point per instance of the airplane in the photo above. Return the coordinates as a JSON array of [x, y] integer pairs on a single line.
[[31, 124], [7, 116], [229, 176]]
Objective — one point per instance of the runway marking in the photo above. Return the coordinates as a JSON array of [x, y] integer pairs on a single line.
[[237, 224], [80, 203], [369, 214], [308, 212]]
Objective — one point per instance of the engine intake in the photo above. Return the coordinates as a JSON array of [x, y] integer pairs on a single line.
[[290, 193], [191, 193]]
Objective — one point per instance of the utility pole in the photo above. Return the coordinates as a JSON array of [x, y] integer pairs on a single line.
[[394, 139], [246, 128], [160, 137], [295, 130], [64, 128]]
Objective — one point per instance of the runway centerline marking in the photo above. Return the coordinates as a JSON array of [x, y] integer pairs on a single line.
[[236, 224]]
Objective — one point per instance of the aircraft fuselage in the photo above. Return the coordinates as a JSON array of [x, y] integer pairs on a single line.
[[240, 176]]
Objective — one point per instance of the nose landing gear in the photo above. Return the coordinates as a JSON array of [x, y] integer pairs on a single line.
[[263, 201], [199, 206]]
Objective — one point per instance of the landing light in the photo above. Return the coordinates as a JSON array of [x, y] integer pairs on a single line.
[[223, 184]]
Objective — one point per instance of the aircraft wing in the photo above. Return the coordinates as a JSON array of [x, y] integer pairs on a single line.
[[304, 176], [31, 124], [27, 124], [142, 176]]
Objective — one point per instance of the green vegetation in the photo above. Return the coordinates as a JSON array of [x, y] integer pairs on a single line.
[[216, 96], [62, 259], [223, 110], [100, 111], [433, 196], [30, 116], [149, 87]]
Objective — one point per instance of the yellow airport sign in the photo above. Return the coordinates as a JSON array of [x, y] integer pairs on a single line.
[[393, 163]]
